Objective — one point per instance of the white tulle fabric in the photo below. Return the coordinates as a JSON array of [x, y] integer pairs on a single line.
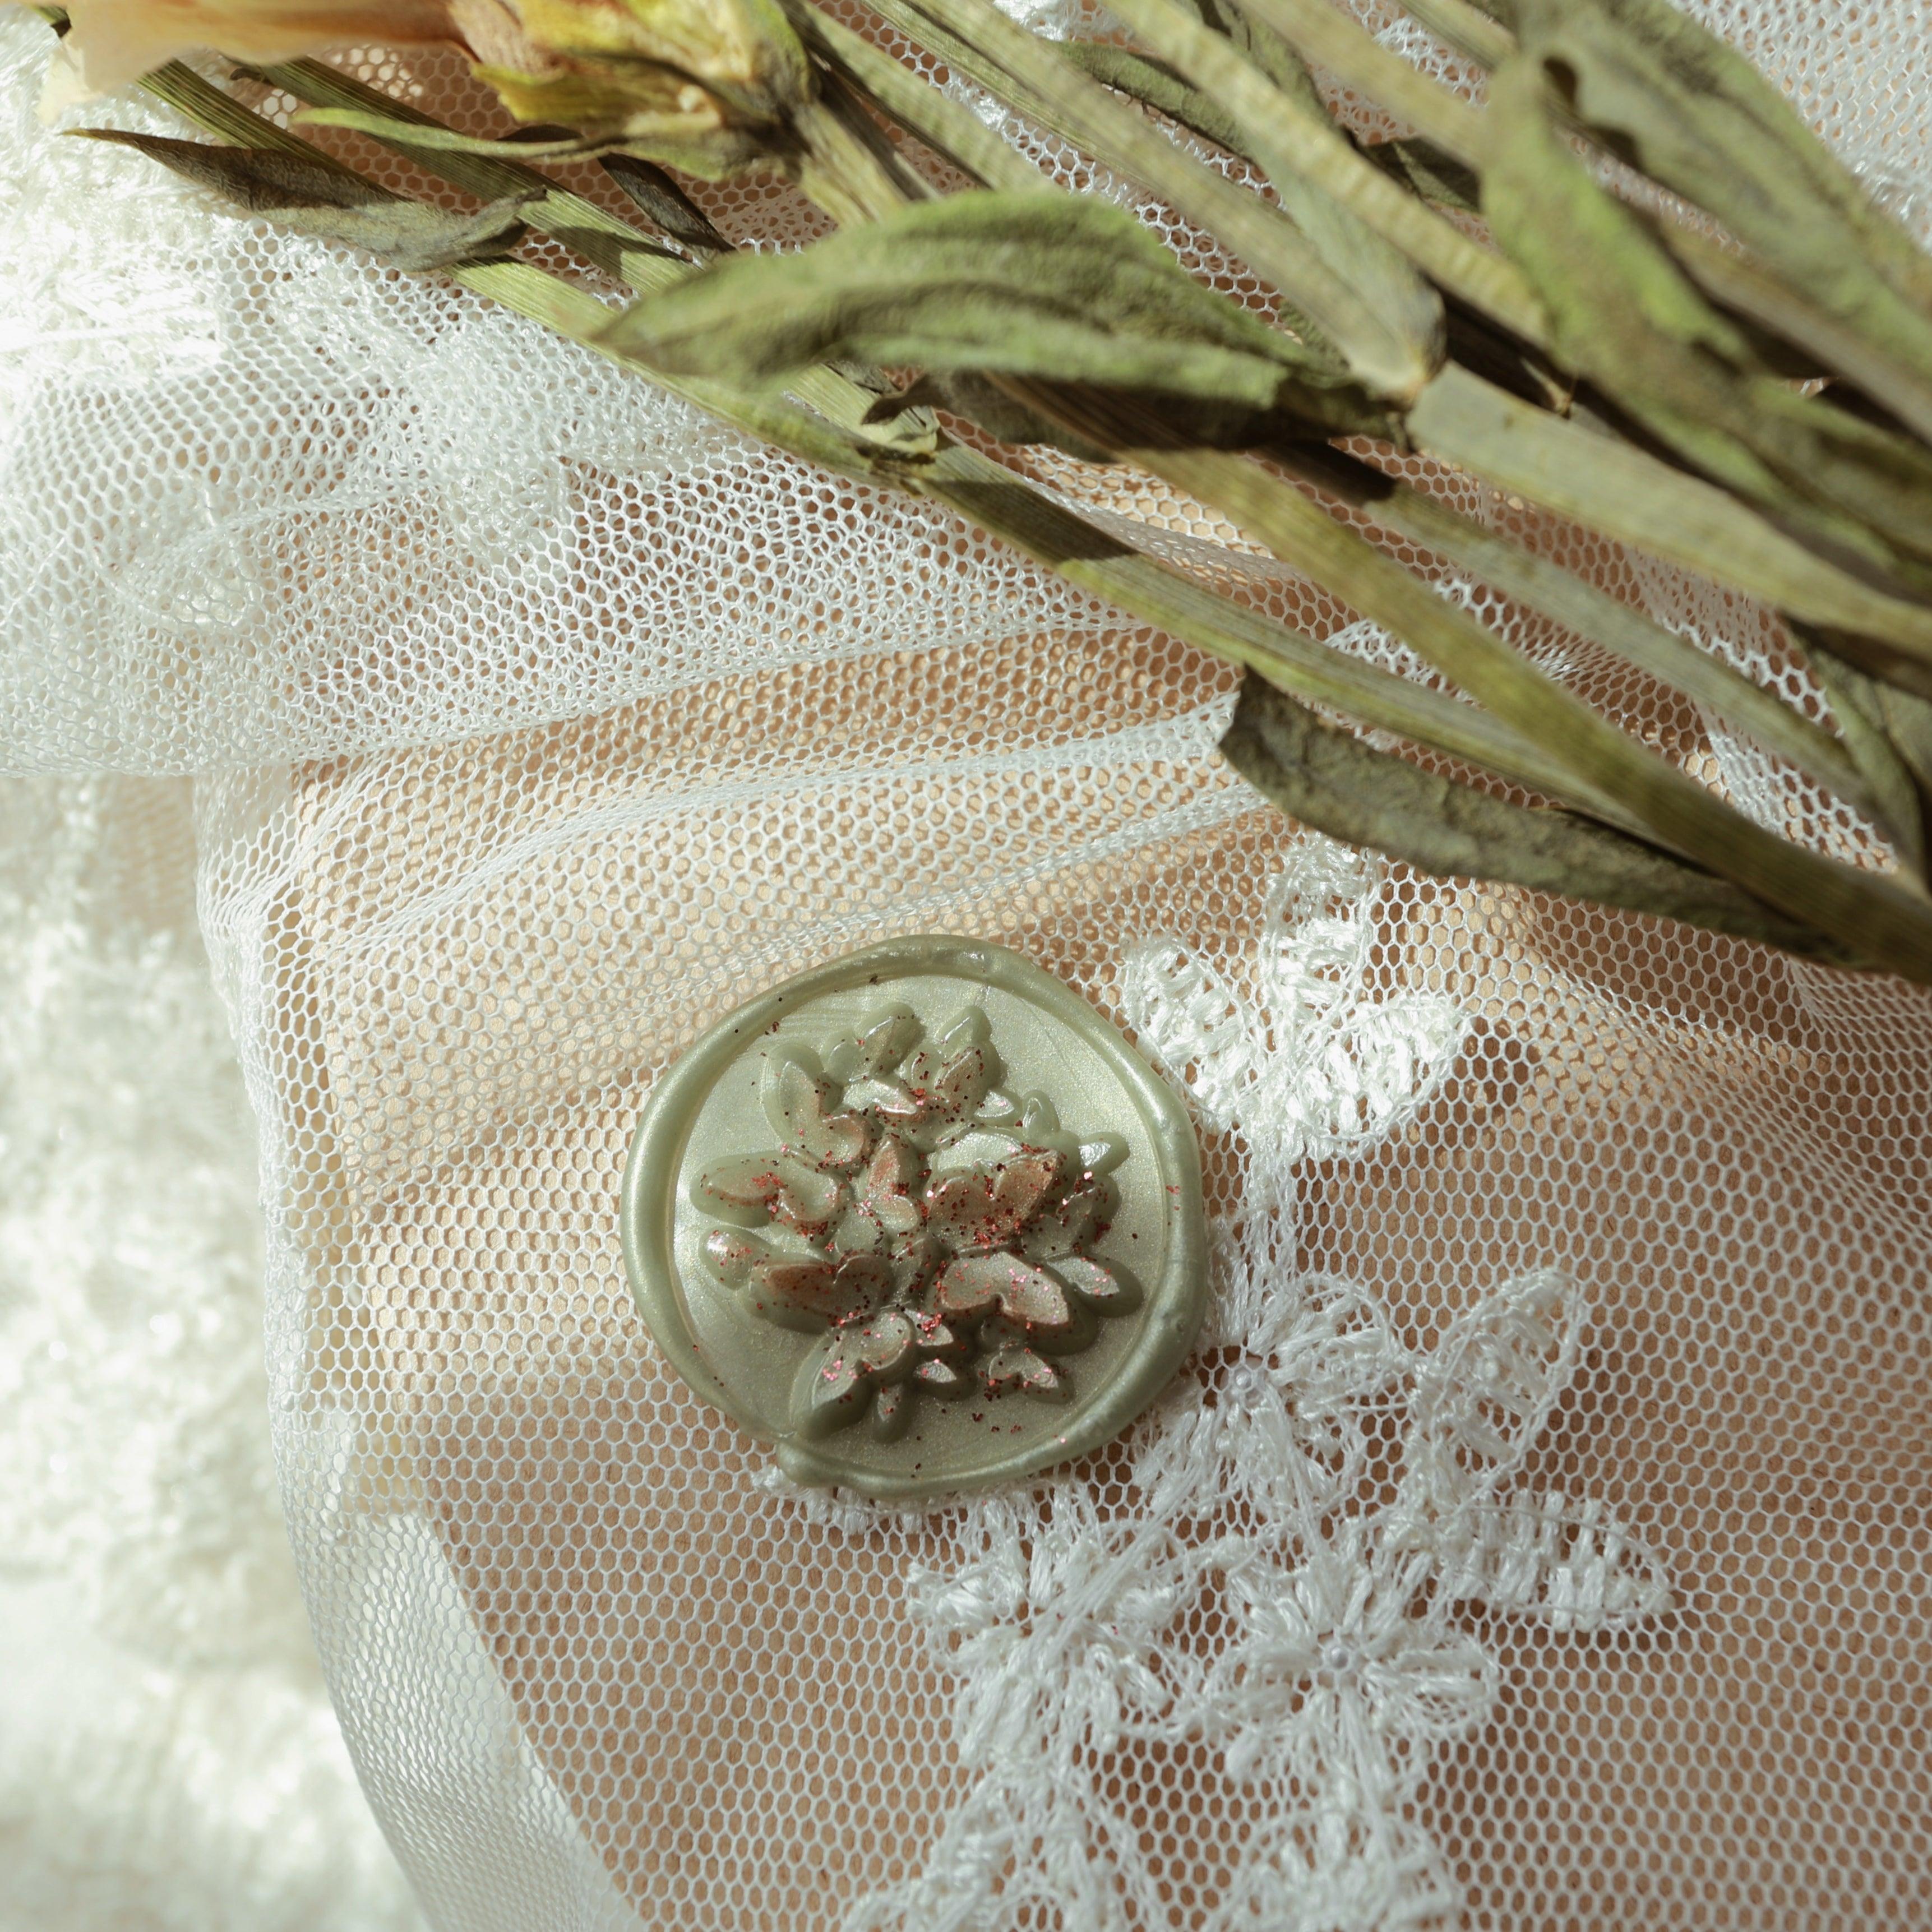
[[168, 1757], [1537, 1536]]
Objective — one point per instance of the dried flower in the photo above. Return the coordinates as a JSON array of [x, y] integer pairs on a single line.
[[700, 82], [742, 51], [113, 42]]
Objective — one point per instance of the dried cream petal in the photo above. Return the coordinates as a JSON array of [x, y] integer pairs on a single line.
[[114, 42]]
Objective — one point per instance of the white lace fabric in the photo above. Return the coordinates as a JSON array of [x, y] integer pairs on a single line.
[[1537, 1538]]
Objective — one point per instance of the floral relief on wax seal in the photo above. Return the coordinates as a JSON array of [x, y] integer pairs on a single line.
[[937, 1230], [922, 1216]]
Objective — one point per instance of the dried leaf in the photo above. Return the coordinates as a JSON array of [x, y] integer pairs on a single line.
[[1265, 48], [1460, 25], [1582, 607], [946, 126], [1291, 141], [1429, 171], [314, 196], [1908, 724], [1627, 494], [669, 207], [1156, 84], [1055, 285], [384, 127], [962, 392], [1105, 565], [1889, 733], [1623, 314], [1330, 779], [1657, 87]]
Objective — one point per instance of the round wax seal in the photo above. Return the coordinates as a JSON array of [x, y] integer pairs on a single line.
[[922, 1217]]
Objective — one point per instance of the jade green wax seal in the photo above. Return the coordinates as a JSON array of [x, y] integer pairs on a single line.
[[921, 1217]]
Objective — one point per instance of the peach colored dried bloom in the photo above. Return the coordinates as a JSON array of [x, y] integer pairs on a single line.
[[113, 42]]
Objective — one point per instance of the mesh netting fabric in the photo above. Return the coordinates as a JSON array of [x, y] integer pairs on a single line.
[[1538, 1537]]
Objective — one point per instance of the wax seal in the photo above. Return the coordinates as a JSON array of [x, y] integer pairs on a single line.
[[921, 1217]]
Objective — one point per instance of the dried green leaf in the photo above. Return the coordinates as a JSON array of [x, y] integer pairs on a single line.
[[1277, 57], [1590, 612], [1047, 285], [316, 197], [1378, 238], [1263, 46], [1430, 171], [260, 180], [1625, 315], [410, 236], [1330, 779], [1888, 733], [977, 39], [946, 126], [1655, 86], [384, 127], [1908, 724], [1614, 486], [961, 478], [1897, 932], [1617, 777], [977, 399], [1797, 338], [1329, 37], [667, 205], [1281, 135], [1156, 84], [1470, 30]]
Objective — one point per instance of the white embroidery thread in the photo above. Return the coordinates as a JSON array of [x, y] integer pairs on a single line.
[[1318, 1070]]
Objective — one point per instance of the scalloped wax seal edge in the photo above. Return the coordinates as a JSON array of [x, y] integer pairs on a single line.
[[1176, 1303]]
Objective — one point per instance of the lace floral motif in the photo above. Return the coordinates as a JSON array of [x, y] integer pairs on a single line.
[[1308, 1068], [1317, 1497]]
